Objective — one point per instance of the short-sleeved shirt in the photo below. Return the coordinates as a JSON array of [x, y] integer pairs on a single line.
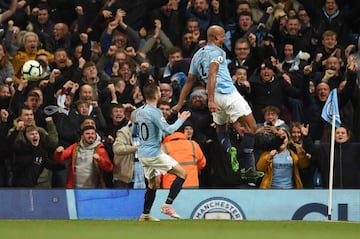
[[149, 124], [200, 65]]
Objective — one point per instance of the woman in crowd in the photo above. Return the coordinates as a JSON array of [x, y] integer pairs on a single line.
[[306, 174], [6, 68], [281, 167], [346, 158]]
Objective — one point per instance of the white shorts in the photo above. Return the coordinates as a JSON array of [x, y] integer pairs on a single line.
[[154, 166], [232, 106]]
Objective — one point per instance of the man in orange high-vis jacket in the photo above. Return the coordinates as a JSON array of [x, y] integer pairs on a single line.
[[189, 155]]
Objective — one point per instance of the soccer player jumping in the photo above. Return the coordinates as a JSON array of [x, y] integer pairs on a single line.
[[209, 63]]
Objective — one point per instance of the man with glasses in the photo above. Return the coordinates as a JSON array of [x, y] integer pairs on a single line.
[[167, 94], [246, 55], [60, 38]]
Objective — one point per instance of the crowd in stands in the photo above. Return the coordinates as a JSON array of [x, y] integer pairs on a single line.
[[284, 56]]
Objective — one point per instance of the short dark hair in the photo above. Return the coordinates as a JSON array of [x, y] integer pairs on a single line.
[[86, 117], [150, 90], [117, 106], [43, 6], [271, 108], [245, 14], [294, 18], [79, 102], [24, 107], [173, 50], [243, 40], [88, 127], [242, 2], [163, 102], [61, 50], [32, 94], [88, 64], [31, 128]]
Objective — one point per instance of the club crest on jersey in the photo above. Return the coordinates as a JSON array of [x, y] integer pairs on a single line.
[[220, 59]]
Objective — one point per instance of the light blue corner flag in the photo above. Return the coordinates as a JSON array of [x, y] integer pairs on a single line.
[[331, 109]]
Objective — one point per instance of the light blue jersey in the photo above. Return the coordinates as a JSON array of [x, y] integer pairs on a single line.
[[149, 125], [200, 65], [283, 168]]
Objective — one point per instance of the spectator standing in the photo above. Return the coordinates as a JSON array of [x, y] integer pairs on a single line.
[[88, 160], [188, 45], [49, 136], [189, 154], [43, 25], [136, 10], [201, 118], [330, 17], [281, 166], [30, 51], [314, 102], [30, 158], [291, 33], [297, 145], [346, 163], [165, 108], [240, 80], [167, 93], [6, 68], [200, 10], [271, 122], [247, 54], [128, 172], [269, 88], [5, 150], [156, 47], [60, 38], [6, 14], [329, 47]]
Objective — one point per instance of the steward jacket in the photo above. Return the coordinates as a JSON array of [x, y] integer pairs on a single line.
[[189, 155]]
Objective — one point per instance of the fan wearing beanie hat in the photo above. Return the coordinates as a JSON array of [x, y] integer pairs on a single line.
[[197, 94]]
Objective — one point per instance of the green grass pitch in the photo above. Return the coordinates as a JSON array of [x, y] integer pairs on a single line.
[[180, 229]]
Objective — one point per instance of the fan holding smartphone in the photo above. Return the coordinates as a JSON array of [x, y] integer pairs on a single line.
[[271, 121]]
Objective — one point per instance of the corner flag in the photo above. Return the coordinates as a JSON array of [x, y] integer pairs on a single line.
[[331, 109], [330, 113]]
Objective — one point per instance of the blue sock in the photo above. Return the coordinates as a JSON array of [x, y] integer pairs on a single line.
[[224, 138], [247, 150]]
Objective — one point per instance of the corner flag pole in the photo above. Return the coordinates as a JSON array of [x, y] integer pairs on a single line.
[[331, 170]]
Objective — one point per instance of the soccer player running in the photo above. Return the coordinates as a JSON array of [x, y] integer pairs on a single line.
[[209, 63], [149, 126]]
